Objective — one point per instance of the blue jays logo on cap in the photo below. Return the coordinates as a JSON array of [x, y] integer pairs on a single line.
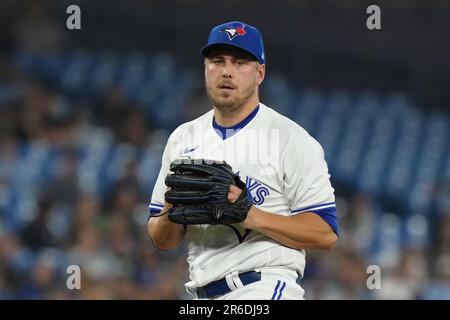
[[234, 32], [237, 34]]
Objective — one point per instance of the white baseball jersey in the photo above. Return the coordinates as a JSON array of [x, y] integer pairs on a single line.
[[285, 171]]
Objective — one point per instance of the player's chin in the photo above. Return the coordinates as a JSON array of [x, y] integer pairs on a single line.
[[225, 93], [224, 101]]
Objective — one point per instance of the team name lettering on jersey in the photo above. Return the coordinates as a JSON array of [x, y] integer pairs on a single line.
[[257, 190]]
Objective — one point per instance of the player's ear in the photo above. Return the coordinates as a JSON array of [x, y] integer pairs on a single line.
[[261, 73]]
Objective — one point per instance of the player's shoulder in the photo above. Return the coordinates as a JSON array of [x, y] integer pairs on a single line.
[[289, 129]]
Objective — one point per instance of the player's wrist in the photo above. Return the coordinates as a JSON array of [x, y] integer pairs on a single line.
[[252, 220]]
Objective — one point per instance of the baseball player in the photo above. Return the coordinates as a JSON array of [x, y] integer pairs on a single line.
[[278, 197]]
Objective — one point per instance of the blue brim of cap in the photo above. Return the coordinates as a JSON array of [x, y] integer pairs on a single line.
[[205, 49]]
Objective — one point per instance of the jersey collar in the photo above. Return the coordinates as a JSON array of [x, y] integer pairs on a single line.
[[227, 132]]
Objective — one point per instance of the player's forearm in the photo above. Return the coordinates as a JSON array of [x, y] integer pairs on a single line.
[[164, 233], [301, 231]]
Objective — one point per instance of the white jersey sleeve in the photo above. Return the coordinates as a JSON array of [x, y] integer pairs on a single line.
[[307, 181], [157, 201]]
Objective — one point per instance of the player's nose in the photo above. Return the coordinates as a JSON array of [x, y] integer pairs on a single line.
[[226, 75], [227, 69]]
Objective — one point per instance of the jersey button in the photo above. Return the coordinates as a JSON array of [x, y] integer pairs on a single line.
[[202, 267]]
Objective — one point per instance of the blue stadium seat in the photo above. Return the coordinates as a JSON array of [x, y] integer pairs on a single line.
[[133, 74], [388, 238], [74, 77], [105, 72]]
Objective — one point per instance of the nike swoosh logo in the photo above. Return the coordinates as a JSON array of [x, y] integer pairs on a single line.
[[187, 150]]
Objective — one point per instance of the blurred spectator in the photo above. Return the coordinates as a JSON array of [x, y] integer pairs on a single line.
[[443, 233], [93, 256], [37, 234], [406, 279], [87, 213], [135, 128], [43, 282], [351, 277], [357, 219], [112, 108], [438, 288]]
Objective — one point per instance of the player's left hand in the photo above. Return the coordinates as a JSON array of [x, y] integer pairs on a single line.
[[233, 195]]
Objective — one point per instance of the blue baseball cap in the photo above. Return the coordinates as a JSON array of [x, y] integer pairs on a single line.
[[237, 34]]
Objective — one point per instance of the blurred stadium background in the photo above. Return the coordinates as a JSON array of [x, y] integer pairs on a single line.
[[84, 117]]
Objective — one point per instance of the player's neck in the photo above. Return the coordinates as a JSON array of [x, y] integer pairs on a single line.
[[229, 118]]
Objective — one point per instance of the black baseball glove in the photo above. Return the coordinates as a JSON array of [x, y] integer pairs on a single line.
[[199, 193]]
